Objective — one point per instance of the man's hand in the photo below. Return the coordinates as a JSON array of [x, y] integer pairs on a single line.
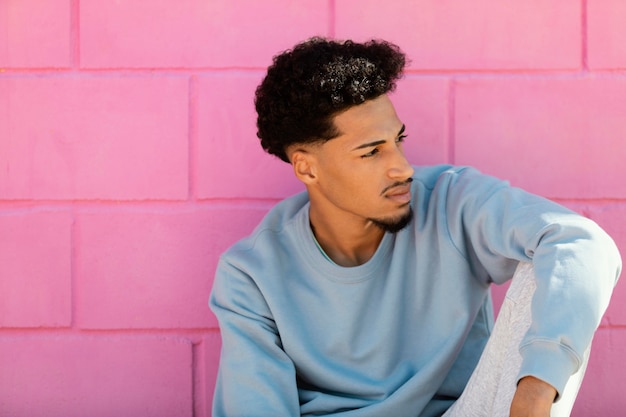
[[533, 398]]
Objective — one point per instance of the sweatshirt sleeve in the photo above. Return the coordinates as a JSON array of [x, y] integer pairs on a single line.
[[576, 265], [255, 377]]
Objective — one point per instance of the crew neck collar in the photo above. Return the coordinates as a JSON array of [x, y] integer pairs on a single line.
[[318, 259]]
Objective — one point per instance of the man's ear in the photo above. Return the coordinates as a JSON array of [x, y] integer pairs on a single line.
[[304, 166]]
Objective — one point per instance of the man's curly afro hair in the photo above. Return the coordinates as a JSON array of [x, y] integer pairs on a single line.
[[307, 86]]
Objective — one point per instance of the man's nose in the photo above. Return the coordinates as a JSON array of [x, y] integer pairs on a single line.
[[400, 168]]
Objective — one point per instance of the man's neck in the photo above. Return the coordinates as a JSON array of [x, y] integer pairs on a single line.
[[347, 243]]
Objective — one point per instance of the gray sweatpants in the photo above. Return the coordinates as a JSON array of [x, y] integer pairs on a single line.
[[490, 390]]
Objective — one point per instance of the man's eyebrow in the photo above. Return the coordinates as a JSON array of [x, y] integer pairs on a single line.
[[378, 142]]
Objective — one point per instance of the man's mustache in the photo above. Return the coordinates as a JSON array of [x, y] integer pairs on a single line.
[[397, 184]]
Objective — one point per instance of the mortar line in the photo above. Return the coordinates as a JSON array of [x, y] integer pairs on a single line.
[[451, 142], [198, 380], [75, 34], [192, 136], [332, 18], [583, 36], [73, 268]]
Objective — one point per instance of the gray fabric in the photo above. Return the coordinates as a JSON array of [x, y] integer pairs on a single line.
[[491, 387]]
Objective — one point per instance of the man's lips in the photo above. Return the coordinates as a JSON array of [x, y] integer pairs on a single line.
[[400, 193], [396, 185]]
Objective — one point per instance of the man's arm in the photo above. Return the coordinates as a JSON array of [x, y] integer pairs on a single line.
[[256, 377], [576, 266], [533, 398]]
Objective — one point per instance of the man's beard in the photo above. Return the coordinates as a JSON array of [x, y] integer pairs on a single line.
[[394, 225]]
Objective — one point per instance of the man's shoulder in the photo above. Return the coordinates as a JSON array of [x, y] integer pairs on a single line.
[[274, 227], [431, 176]]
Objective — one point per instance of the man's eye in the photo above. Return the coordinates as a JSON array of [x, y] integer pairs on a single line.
[[370, 154]]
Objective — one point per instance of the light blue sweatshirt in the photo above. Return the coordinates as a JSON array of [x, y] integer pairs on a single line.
[[401, 334]]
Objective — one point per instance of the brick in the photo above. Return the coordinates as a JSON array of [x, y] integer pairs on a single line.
[[94, 138], [422, 104], [35, 277], [471, 35], [95, 376], [195, 33], [602, 391], [230, 160], [35, 34], [606, 34], [152, 270], [553, 136], [611, 218]]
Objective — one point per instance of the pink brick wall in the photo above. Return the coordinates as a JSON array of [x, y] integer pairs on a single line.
[[129, 162]]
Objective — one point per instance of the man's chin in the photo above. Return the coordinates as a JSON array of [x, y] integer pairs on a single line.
[[394, 225]]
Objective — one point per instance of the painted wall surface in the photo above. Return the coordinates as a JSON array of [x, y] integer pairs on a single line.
[[129, 162]]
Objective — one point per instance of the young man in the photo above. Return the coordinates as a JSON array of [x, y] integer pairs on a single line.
[[368, 295]]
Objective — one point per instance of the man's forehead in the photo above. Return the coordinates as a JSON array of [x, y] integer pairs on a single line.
[[368, 122]]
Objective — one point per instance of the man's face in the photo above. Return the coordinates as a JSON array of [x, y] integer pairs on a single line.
[[363, 173]]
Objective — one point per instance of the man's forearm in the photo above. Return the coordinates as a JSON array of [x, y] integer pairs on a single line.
[[533, 398]]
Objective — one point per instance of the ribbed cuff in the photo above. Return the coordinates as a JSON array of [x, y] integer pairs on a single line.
[[549, 361]]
